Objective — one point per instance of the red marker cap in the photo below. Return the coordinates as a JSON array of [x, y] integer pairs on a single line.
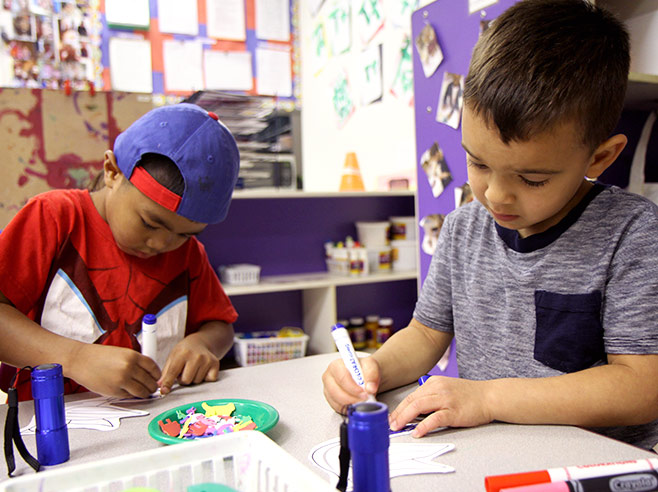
[[495, 483]]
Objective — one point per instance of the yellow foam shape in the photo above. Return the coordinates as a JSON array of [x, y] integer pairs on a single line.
[[218, 410], [242, 424]]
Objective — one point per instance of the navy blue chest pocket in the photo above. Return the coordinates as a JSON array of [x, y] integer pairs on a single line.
[[569, 335]]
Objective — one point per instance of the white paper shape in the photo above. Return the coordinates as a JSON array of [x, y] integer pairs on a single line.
[[127, 12], [475, 5], [178, 17], [273, 20], [179, 54], [228, 70], [369, 18], [226, 19], [371, 74], [130, 62], [338, 25], [94, 413], [273, 72], [403, 458]]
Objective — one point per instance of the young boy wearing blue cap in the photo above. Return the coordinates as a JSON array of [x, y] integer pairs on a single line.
[[548, 281], [81, 269]]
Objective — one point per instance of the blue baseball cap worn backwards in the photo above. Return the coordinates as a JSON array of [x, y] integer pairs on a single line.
[[202, 148]]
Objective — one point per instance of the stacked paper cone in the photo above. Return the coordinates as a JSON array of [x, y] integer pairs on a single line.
[[351, 179]]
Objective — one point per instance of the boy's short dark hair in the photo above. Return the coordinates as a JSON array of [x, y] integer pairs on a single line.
[[543, 62]]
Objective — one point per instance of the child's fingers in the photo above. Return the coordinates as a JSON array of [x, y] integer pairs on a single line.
[[413, 405], [169, 374]]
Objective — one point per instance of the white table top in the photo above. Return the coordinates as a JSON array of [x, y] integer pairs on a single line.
[[294, 388]]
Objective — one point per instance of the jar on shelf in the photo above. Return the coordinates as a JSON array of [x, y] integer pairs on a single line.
[[357, 331], [372, 323], [384, 331]]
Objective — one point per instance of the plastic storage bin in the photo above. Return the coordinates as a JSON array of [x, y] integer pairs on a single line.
[[268, 347], [247, 461], [372, 234], [239, 274]]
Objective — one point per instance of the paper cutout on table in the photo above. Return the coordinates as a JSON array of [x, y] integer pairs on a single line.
[[404, 458], [95, 414]]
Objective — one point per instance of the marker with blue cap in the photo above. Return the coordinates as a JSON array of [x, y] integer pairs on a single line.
[[346, 350]]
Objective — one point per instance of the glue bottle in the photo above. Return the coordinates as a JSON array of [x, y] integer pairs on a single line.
[[149, 336], [52, 434], [367, 431]]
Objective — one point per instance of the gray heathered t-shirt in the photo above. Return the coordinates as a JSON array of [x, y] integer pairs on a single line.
[[552, 303]]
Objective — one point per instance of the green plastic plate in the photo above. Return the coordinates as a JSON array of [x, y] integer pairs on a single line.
[[265, 416]]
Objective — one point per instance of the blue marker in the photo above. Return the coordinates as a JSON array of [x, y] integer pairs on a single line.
[[346, 350], [422, 379]]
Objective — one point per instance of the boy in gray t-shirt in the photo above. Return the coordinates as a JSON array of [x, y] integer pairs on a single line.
[[549, 281]]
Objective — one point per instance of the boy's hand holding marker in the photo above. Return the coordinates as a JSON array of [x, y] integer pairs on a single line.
[[349, 379]]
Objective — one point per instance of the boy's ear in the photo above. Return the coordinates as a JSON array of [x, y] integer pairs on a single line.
[[605, 154], [111, 171]]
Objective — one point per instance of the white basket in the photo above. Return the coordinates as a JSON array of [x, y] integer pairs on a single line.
[[239, 274], [254, 351], [247, 461]]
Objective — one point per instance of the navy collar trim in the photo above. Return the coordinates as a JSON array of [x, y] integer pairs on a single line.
[[537, 241]]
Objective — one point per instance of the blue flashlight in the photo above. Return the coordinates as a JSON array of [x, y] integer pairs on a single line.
[[367, 431], [52, 433]]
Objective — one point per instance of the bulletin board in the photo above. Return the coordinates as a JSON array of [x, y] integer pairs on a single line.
[[51, 140], [172, 47]]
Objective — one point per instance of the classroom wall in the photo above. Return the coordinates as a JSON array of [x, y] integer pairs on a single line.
[[381, 133], [51, 140]]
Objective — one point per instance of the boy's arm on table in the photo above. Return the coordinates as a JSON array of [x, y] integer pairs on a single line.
[[622, 392], [112, 371], [196, 357]]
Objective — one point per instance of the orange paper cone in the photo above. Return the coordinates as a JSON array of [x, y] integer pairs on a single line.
[[351, 179]]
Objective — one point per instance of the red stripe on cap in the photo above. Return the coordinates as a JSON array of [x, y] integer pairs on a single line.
[[154, 190]]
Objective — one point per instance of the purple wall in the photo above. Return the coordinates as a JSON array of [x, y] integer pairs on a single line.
[[457, 33], [286, 236]]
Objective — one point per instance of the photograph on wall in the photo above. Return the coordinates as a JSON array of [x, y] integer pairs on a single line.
[[436, 169], [431, 225], [450, 100], [463, 195], [429, 50], [49, 43]]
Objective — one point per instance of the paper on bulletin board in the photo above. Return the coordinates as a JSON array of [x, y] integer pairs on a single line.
[[403, 81], [179, 54], [226, 19], [400, 13], [369, 18], [314, 6], [178, 17], [273, 20], [228, 70], [320, 47], [274, 72], [133, 13], [371, 74], [475, 5], [339, 26], [130, 60], [342, 99]]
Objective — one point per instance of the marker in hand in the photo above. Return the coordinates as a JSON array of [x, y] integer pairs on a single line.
[[149, 339], [346, 350]]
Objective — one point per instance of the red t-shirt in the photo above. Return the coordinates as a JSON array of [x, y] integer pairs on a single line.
[[62, 268]]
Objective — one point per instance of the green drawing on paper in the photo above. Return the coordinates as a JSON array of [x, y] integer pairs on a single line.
[[342, 101], [404, 77], [370, 11]]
